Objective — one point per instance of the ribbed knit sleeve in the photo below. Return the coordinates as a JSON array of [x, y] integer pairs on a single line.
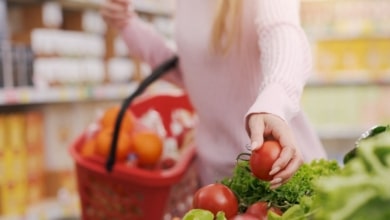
[[285, 58], [145, 43]]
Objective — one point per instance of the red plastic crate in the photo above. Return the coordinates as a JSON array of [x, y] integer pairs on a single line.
[[133, 193]]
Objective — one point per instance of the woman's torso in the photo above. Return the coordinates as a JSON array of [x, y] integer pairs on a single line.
[[222, 88]]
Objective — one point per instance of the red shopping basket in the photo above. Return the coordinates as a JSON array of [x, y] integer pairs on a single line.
[[115, 191], [134, 193]]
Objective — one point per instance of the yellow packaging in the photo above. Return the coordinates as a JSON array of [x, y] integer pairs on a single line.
[[2, 147], [13, 198], [2, 134], [16, 131], [15, 166]]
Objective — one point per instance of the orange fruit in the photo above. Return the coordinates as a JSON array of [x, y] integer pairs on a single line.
[[88, 149], [109, 118], [148, 147], [103, 143]]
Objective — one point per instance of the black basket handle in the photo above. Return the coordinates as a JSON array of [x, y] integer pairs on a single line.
[[156, 73]]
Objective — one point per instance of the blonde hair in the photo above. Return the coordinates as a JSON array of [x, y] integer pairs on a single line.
[[226, 26]]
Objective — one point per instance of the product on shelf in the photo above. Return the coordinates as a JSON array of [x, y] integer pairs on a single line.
[[120, 70], [13, 187], [360, 59]]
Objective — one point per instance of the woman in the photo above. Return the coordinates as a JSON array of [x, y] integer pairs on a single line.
[[244, 65]]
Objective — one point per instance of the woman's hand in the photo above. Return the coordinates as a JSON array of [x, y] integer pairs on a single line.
[[268, 126], [116, 13]]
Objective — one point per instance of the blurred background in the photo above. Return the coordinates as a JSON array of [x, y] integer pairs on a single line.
[[60, 66]]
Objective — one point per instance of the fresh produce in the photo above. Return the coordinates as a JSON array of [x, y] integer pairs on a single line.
[[249, 189], [103, 143], [88, 149], [201, 214], [321, 189], [144, 141], [245, 216], [148, 147], [109, 118], [216, 198], [260, 210], [360, 191], [262, 159]]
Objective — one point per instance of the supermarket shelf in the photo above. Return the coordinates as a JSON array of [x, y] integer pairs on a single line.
[[348, 37], [95, 5], [29, 95], [349, 82], [89, 4], [153, 10], [79, 4], [340, 133]]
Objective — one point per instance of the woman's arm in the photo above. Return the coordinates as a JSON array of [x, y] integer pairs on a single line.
[[286, 59], [145, 43], [286, 62], [141, 39]]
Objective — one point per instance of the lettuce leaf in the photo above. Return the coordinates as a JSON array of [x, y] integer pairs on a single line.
[[250, 189]]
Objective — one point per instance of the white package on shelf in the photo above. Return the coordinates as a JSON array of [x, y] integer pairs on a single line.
[[67, 43], [120, 48], [93, 22], [120, 70], [52, 14], [92, 71], [67, 71]]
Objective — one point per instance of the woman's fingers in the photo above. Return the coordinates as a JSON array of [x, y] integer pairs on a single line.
[[256, 130], [263, 126], [285, 174], [116, 12], [285, 156]]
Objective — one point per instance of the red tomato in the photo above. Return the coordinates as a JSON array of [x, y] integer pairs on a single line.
[[216, 197], [276, 210], [244, 216], [263, 158], [260, 210]]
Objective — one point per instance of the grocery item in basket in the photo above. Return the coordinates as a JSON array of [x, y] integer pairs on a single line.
[[143, 142], [88, 149], [148, 147], [109, 117], [103, 141]]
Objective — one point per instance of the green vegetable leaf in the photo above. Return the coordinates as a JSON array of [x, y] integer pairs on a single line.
[[250, 189], [199, 214], [220, 216], [361, 190]]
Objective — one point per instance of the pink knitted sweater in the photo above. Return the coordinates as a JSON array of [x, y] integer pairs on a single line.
[[266, 72]]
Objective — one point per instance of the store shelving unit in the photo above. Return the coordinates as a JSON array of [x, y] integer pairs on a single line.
[[348, 98], [66, 108], [30, 95]]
